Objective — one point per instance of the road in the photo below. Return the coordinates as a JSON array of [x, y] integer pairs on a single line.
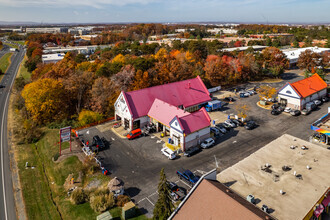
[[7, 202]]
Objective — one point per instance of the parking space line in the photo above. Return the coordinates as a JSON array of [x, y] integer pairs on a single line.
[[186, 183], [153, 194], [141, 200], [150, 202]]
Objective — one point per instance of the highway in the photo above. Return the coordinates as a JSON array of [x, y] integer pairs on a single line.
[[7, 202]]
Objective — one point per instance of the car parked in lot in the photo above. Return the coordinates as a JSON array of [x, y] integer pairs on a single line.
[[215, 131], [209, 142], [250, 125], [287, 109], [2, 86], [227, 127], [221, 128], [305, 111], [168, 153], [177, 193], [229, 99], [294, 112], [311, 106], [237, 122], [275, 106], [275, 112], [188, 176], [134, 134], [280, 108], [317, 102], [230, 123], [324, 99], [191, 151], [97, 144]]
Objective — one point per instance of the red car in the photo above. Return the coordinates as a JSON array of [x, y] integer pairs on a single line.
[[134, 134]]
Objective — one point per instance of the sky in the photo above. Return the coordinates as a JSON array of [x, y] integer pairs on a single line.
[[116, 11]]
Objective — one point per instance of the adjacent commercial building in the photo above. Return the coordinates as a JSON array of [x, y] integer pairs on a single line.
[[52, 30], [289, 175], [174, 108], [210, 199], [296, 95], [52, 58], [293, 54]]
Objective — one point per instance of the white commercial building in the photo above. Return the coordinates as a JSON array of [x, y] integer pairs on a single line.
[[52, 58]]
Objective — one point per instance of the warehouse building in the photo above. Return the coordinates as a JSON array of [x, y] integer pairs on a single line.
[[52, 58], [296, 95]]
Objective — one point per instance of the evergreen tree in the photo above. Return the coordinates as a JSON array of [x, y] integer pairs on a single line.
[[164, 206]]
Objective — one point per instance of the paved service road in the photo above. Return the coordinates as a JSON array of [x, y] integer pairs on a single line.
[[7, 204]]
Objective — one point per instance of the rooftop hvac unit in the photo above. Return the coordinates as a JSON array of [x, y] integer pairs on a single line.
[[250, 198], [264, 208]]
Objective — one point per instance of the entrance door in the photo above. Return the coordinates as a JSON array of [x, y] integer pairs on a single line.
[[136, 124], [283, 102], [126, 123]]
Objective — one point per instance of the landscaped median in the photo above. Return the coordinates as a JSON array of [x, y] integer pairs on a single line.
[[5, 63]]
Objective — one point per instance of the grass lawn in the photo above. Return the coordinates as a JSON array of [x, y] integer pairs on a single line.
[[11, 45], [23, 70], [20, 42], [5, 62]]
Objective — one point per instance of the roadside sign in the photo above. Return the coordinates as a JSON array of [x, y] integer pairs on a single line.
[[65, 134]]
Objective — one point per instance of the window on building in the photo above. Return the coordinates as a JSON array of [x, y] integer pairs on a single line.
[[288, 92]]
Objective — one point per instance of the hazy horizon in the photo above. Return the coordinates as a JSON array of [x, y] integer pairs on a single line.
[[159, 11]]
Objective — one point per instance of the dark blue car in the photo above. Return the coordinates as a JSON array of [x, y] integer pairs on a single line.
[[188, 176]]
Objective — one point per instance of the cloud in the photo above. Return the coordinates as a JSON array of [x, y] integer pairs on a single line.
[[65, 3]]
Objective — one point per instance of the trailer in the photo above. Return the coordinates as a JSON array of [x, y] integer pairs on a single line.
[[213, 105]]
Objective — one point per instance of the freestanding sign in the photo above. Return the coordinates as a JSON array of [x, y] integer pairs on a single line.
[[65, 135]]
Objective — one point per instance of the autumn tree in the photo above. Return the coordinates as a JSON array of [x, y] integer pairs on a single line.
[[163, 207], [79, 85], [123, 80], [309, 60], [274, 60], [101, 92], [326, 59], [86, 117], [242, 110], [266, 92], [45, 100]]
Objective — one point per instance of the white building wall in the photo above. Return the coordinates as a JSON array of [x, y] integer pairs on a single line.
[[121, 110], [143, 120]]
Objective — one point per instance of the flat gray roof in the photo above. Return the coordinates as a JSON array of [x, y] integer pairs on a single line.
[[246, 177]]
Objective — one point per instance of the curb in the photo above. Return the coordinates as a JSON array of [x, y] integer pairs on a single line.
[[258, 104], [119, 135]]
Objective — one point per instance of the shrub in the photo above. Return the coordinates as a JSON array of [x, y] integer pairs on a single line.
[[100, 203], [122, 200], [86, 117], [78, 196], [56, 156]]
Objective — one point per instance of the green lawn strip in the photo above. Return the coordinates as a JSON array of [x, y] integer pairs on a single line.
[[11, 45], [77, 212], [20, 42], [5, 62], [23, 70], [36, 192]]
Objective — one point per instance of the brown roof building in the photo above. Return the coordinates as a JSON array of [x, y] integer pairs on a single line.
[[211, 199]]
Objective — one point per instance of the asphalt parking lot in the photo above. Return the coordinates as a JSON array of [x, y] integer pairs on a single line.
[[138, 162]]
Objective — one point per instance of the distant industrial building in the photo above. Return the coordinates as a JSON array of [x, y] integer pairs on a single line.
[[51, 30], [294, 53], [222, 31], [182, 30], [52, 58], [289, 176], [79, 49], [255, 48]]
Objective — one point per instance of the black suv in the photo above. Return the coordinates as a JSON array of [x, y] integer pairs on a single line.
[[97, 144]]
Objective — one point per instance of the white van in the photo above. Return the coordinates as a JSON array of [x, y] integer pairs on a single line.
[[168, 153]]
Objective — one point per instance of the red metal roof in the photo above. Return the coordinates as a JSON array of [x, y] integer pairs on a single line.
[[195, 121], [309, 86], [164, 112], [186, 93]]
